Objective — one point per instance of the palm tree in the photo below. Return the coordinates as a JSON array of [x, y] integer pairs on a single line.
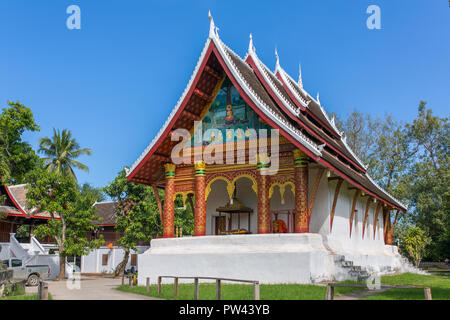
[[61, 152]]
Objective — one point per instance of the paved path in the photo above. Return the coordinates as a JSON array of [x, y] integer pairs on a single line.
[[358, 294], [91, 288]]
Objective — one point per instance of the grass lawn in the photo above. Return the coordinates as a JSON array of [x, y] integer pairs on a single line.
[[21, 297], [207, 291], [439, 284]]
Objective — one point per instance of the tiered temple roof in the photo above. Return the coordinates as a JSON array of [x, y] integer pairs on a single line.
[[15, 204], [279, 100]]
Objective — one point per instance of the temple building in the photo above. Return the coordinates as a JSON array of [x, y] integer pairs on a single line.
[[278, 195], [14, 213]]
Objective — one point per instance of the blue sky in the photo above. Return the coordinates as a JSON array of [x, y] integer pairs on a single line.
[[114, 82]]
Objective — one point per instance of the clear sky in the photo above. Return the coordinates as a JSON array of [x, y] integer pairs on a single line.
[[114, 81]]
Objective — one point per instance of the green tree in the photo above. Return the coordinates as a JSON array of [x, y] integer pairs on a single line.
[[429, 187], [16, 156], [137, 214], [71, 213], [412, 244], [96, 193], [384, 146], [184, 216], [61, 151]]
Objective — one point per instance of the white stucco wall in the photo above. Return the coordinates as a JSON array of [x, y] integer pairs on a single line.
[[269, 258], [92, 262], [4, 254], [320, 216]]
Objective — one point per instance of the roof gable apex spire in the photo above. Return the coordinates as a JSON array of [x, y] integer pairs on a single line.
[[300, 82], [212, 27], [277, 65], [251, 47]]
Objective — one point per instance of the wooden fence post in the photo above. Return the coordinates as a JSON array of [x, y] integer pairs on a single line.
[[330, 292], [427, 294], [195, 288], [147, 284], [159, 285], [256, 290], [43, 290], [175, 287], [218, 293]]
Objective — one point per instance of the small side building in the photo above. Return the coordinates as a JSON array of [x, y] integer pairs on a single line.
[[105, 259]]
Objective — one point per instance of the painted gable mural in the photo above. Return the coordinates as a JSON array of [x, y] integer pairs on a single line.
[[230, 118]]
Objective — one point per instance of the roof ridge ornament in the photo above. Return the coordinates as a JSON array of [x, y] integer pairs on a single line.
[[300, 82], [278, 59], [317, 98], [251, 47], [212, 27]]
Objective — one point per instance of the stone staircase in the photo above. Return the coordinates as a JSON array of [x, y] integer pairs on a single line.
[[351, 271]]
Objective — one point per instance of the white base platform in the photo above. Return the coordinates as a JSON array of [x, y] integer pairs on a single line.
[[269, 258]]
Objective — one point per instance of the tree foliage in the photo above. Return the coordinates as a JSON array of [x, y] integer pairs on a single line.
[[410, 161], [137, 213], [61, 151], [71, 213], [17, 157], [429, 187], [413, 243], [96, 193]]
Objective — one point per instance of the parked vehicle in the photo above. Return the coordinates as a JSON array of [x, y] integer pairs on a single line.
[[30, 273]]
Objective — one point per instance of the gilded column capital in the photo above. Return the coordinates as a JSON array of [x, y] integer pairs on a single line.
[[200, 168], [170, 170], [262, 161], [300, 158]]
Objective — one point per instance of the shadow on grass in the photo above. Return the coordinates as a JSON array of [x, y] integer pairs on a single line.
[[439, 285]]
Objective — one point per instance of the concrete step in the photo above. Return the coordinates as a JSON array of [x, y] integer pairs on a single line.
[[338, 258], [346, 263], [356, 268]]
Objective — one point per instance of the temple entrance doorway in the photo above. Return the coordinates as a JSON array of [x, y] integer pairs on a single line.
[[231, 215], [282, 207]]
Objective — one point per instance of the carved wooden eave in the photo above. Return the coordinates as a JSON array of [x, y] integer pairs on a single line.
[[377, 213], [352, 213], [335, 198], [366, 214]]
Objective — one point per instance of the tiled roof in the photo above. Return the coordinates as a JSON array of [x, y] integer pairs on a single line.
[[106, 211]]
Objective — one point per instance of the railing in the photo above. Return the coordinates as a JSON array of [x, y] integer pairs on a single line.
[[330, 289], [255, 283]]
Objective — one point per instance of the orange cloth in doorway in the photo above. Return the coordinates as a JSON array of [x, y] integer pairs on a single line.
[[279, 226]]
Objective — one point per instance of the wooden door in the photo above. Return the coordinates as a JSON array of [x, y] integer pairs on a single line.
[[134, 260]]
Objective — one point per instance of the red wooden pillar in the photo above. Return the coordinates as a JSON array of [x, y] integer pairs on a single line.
[[263, 194], [169, 207], [387, 226], [200, 199], [301, 219]]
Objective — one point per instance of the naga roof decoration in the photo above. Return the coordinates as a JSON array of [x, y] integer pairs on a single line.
[[279, 100]]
